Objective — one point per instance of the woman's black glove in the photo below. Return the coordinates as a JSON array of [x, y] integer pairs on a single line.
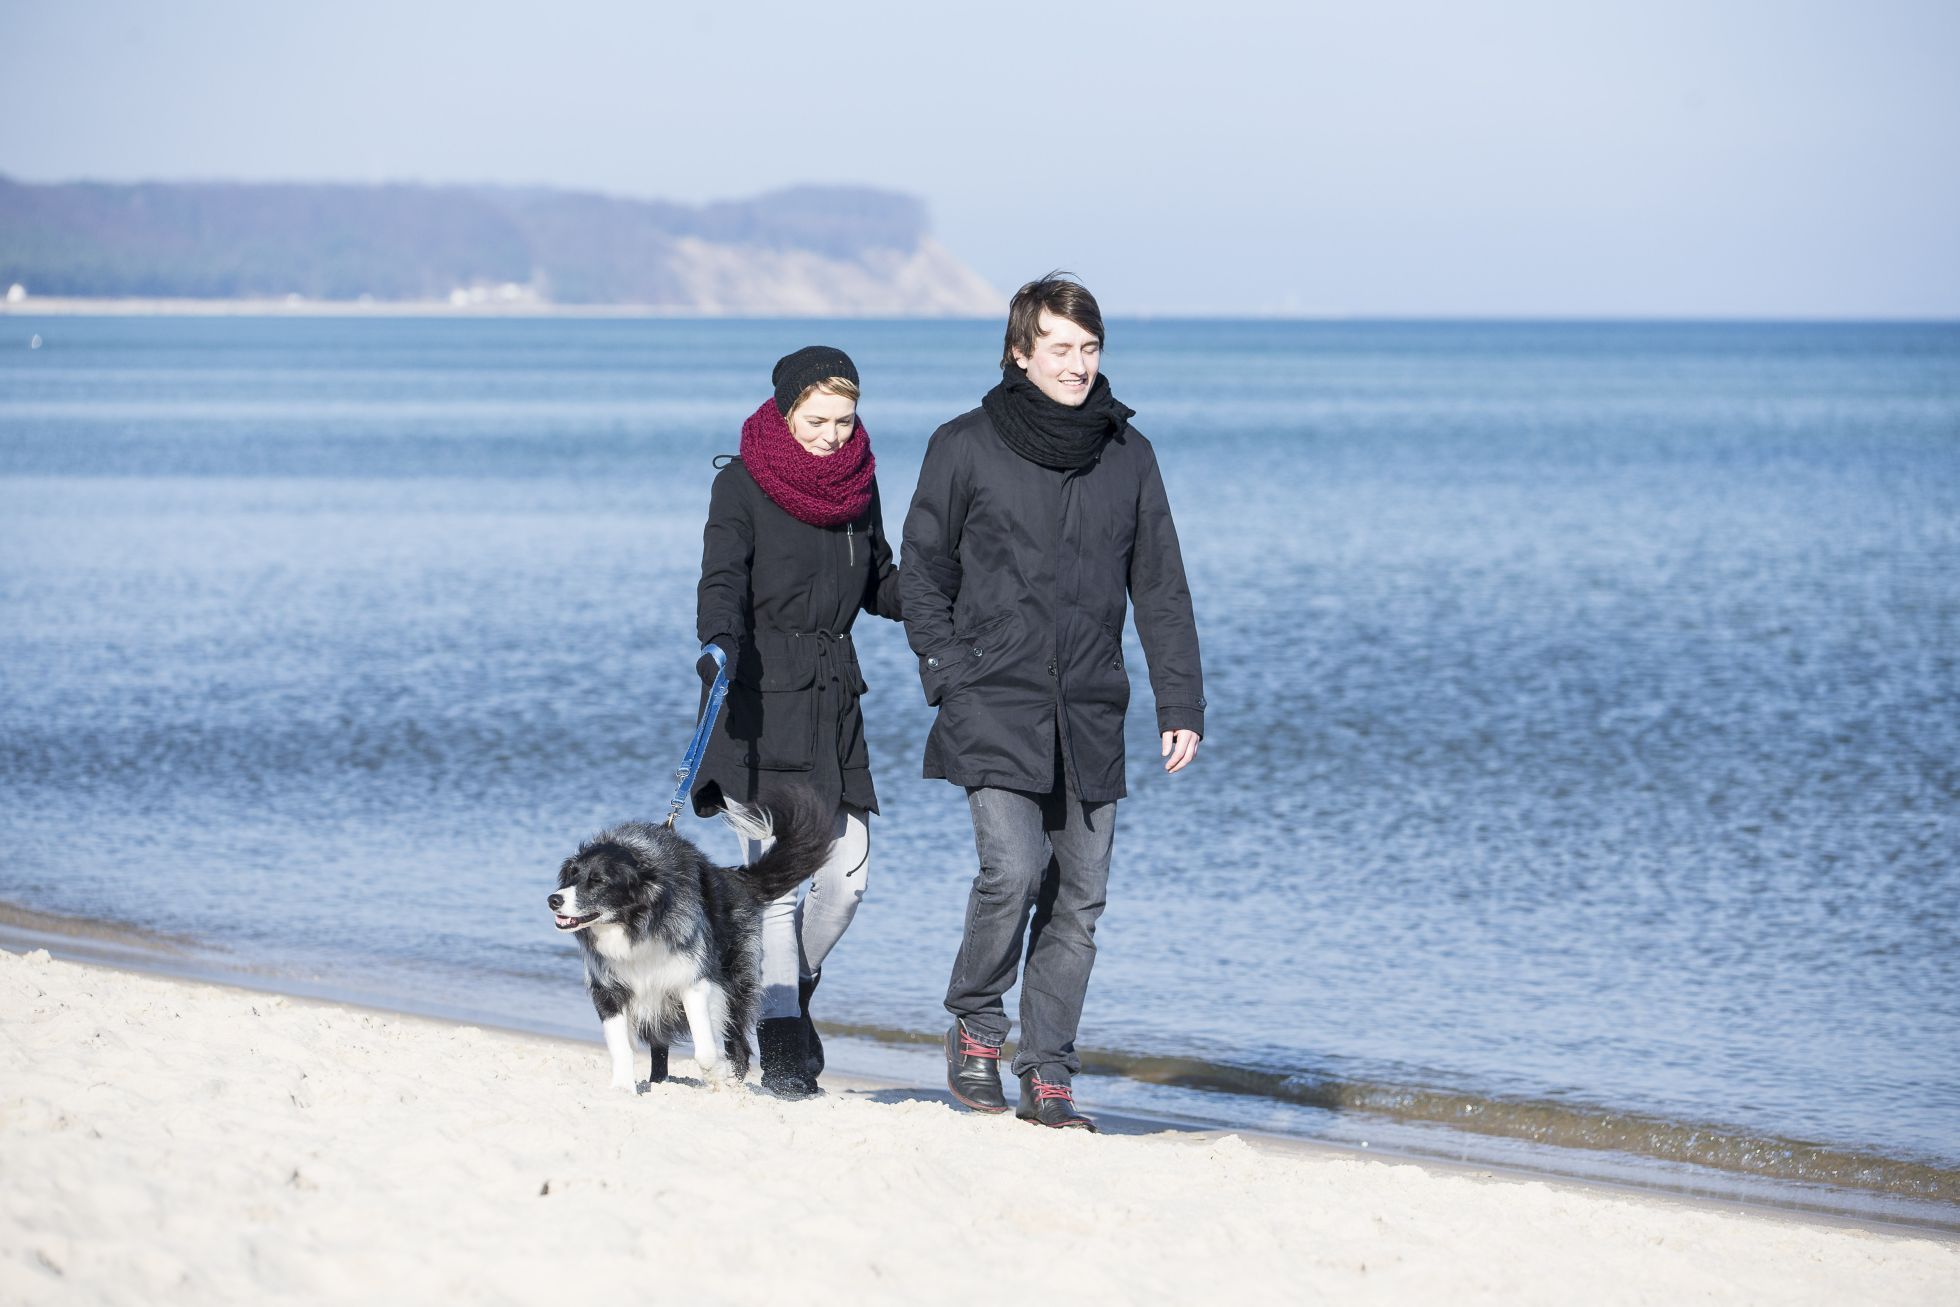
[[705, 665]]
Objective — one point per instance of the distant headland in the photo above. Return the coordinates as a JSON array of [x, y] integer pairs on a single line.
[[818, 251]]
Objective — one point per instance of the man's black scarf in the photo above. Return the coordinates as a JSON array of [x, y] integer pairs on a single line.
[[1051, 434]]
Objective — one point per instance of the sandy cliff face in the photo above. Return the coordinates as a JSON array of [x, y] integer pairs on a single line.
[[926, 280], [820, 251]]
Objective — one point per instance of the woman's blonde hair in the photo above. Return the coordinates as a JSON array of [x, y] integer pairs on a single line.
[[841, 386]]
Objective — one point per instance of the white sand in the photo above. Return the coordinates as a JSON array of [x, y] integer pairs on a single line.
[[171, 1142]]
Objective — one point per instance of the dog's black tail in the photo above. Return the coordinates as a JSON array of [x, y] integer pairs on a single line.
[[795, 819]]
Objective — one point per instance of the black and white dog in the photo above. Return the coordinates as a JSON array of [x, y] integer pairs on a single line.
[[673, 942]]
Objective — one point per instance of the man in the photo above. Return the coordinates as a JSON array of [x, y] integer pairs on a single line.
[[1036, 514]]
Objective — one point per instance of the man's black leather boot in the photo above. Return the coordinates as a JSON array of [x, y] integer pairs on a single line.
[[1050, 1103], [973, 1070]]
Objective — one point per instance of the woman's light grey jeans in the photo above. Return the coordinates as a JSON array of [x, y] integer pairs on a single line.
[[800, 928]]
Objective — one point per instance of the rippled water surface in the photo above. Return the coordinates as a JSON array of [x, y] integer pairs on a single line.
[[1585, 731]]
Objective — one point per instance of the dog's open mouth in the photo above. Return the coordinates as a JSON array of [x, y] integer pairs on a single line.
[[574, 923]]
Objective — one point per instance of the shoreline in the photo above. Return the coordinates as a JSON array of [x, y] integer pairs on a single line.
[[58, 306], [896, 1060], [168, 1138], [54, 306]]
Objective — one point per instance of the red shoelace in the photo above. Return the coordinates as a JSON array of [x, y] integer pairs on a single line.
[[971, 1047], [1044, 1090]]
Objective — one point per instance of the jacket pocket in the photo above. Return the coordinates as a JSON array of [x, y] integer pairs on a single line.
[[1101, 677], [853, 674], [961, 663], [772, 707]]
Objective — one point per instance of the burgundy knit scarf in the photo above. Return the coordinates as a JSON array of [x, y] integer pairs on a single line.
[[826, 491]]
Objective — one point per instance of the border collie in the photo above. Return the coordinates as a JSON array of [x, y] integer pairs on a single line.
[[673, 942]]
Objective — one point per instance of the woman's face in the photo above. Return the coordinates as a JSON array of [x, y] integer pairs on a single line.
[[823, 422]]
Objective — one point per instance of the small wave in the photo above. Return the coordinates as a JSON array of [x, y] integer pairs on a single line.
[[1538, 1121]]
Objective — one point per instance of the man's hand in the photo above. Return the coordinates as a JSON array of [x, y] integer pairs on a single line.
[[1180, 747]]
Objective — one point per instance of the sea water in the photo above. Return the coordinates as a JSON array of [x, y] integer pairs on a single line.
[[1582, 765]]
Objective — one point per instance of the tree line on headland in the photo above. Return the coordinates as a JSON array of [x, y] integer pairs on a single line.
[[804, 249]]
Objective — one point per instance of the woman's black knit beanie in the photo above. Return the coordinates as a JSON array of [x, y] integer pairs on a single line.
[[797, 372]]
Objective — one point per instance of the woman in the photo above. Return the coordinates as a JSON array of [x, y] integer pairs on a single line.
[[794, 547]]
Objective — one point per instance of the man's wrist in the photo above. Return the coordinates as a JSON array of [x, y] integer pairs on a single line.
[[1179, 718]]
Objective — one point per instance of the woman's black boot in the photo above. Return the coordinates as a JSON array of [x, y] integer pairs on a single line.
[[783, 1071], [812, 1042]]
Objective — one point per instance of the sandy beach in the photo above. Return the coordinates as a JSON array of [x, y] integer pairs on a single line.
[[168, 1141]]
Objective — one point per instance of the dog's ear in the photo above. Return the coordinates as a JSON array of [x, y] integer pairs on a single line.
[[649, 905]]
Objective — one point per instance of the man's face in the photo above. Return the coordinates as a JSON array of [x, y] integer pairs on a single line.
[[1063, 365]]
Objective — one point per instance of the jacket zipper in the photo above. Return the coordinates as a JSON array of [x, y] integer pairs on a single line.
[[1061, 695], [850, 543]]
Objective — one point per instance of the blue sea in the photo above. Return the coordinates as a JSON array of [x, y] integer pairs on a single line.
[[1581, 786]]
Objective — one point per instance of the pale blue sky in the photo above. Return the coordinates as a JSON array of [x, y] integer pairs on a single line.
[[1603, 157]]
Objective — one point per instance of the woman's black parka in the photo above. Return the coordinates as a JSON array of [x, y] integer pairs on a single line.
[[782, 594]]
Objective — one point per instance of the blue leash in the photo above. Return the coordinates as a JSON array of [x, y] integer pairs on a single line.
[[702, 732]]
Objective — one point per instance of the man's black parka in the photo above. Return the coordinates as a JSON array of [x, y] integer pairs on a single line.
[[783, 594], [1015, 585]]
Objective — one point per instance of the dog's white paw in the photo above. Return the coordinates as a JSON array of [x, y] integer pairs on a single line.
[[717, 1075], [628, 1083]]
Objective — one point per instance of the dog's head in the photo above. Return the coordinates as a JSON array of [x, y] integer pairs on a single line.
[[609, 879]]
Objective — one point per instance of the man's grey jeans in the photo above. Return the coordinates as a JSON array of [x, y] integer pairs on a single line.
[[1047, 855]]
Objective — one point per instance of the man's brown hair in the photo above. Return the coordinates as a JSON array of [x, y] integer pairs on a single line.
[[1058, 293]]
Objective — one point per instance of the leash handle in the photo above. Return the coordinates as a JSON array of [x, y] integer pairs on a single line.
[[703, 731]]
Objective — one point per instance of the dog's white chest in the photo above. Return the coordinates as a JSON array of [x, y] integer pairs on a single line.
[[654, 974]]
